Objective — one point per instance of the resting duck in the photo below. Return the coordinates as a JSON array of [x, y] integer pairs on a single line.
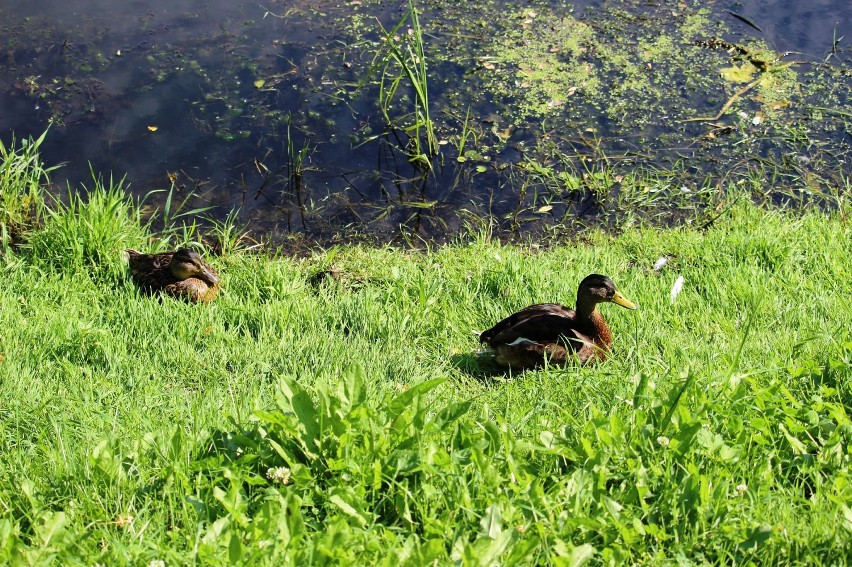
[[555, 332], [180, 274]]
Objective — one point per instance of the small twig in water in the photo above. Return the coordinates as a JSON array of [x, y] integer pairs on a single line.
[[728, 104]]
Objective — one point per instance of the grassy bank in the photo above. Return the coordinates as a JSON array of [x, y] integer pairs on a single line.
[[354, 423]]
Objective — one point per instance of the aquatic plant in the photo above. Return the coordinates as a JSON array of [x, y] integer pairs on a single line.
[[403, 61]]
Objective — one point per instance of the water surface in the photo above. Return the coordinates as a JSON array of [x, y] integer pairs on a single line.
[[217, 97]]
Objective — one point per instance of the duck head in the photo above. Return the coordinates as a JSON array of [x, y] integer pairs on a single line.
[[188, 264], [596, 288]]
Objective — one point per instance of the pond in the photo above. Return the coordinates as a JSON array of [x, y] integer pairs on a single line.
[[304, 116]]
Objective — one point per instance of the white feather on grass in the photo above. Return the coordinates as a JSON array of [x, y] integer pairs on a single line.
[[677, 288]]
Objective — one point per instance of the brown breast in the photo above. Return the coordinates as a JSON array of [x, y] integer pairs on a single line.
[[601, 335], [195, 290]]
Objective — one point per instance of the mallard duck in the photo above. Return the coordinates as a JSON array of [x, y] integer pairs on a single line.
[[333, 274], [181, 274], [555, 332]]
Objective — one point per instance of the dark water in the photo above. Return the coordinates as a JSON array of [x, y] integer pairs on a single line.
[[808, 27], [167, 92]]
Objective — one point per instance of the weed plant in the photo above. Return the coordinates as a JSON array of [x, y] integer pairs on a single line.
[[88, 234], [296, 161], [22, 175], [354, 421], [404, 63]]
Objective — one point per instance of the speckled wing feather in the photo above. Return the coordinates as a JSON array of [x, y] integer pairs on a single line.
[[151, 271]]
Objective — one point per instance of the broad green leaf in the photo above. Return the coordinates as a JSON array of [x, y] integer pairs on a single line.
[[451, 413], [581, 555], [497, 547], [568, 555], [282, 452], [345, 506], [235, 549], [403, 401], [847, 517], [51, 526], [302, 405], [798, 447], [216, 530], [639, 392], [491, 522], [674, 400]]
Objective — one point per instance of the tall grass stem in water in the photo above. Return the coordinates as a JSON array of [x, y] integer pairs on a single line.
[[404, 62]]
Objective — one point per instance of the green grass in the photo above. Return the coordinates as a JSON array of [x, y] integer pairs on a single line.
[[135, 430], [21, 176]]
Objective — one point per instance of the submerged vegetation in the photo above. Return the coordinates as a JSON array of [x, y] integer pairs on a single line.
[[354, 421]]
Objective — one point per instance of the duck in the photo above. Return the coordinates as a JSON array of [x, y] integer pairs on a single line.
[[182, 274], [556, 333], [333, 274]]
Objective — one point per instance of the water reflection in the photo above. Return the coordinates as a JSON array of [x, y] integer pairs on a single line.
[[809, 27]]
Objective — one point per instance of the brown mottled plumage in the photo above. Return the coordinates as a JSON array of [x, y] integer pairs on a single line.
[[180, 274], [555, 332]]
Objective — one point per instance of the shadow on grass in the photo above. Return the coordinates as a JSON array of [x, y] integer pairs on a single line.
[[481, 366]]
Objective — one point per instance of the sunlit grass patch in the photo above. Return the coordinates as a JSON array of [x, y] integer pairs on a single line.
[[88, 233], [22, 175], [353, 420]]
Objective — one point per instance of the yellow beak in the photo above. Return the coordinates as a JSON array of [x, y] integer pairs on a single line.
[[619, 299]]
